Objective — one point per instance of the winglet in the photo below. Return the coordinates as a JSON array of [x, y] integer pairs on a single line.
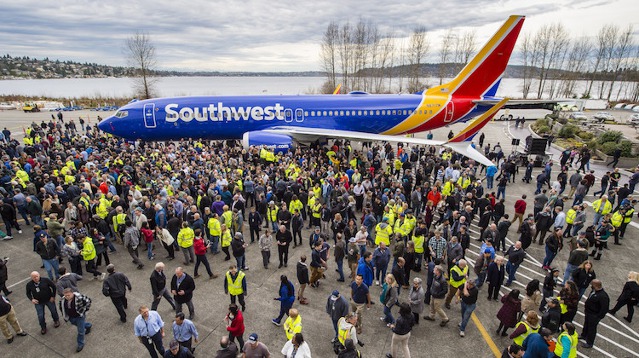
[[475, 126], [338, 89]]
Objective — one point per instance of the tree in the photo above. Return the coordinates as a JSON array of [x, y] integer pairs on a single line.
[[417, 52], [141, 55], [576, 64], [329, 55], [444, 54]]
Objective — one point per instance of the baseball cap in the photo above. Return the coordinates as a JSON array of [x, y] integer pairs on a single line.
[[317, 228], [335, 293], [252, 338]]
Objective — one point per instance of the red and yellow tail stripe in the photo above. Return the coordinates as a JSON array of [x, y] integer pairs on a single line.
[[475, 126]]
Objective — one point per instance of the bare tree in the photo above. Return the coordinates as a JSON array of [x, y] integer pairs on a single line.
[[329, 55], [598, 59], [141, 55], [528, 64], [558, 49], [464, 48], [416, 52], [620, 57], [575, 65], [445, 53]]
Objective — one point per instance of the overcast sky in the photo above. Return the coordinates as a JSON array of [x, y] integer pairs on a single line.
[[262, 35]]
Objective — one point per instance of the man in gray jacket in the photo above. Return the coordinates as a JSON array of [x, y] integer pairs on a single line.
[[131, 242], [438, 291], [67, 280], [115, 286], [336, 307]]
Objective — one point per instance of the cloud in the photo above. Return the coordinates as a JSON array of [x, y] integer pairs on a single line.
[[250, 35]]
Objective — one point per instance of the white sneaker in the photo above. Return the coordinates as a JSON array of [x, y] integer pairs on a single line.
[[102, 276], [376, 283], [462, 334], [19, 231]]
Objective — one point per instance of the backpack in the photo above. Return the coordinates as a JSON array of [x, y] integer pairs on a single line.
[[382, 297]]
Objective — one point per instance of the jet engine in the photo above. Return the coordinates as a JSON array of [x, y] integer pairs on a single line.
[[280, 143]]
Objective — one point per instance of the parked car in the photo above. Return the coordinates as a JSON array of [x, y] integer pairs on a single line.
[[580, 116], [634, 119], [604, 116]]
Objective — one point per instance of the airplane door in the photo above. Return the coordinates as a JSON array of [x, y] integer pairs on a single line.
[[299, 115], [288, 115], [450, 110], [149, 115]]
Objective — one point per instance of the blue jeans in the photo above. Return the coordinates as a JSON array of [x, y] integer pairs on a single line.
[[23, 212], [37, 220], [340, 269], [578, 200], [511, 269], [481, 278], [52, 267], [501, 190], [40, 311], [284, 307], [596, 219], [388, 315], [241, 262], [568, 273], [420, 258], [149, 250], [489, 182], [539, 186], [380, 271], [549, 257], [215, 240], [82, 326], [466, 311]]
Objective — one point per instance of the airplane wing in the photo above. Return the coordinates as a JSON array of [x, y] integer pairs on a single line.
[[311, 134]]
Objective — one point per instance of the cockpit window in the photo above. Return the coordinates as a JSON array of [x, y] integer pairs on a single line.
[[121, 114]]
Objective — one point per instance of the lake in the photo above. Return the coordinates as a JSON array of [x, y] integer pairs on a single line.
[[205, 86]]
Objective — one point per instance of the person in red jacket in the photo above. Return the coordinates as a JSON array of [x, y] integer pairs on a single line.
[[200, 247], [148, 239], [235, 325], [520, 210]]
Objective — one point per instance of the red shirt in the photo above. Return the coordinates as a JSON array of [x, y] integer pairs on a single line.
[[435, 197], [148, 235], [198, 246], [237, 325], [520, 206]]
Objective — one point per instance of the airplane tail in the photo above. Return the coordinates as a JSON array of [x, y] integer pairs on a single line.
[[481, 76], [476, 125]]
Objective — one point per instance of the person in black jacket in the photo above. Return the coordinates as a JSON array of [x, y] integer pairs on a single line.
[[9, 317], [255, 224], [629, 296], [401, 331], [302, 278], [158, 287], [495, 277], [49, 252], [182, 287], [8, 213], [115, 286], [4, 276], [595, 310], [551, 318], [516, 255], [41, 291]]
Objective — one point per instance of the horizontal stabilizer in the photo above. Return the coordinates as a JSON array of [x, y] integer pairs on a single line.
[[475, 126]]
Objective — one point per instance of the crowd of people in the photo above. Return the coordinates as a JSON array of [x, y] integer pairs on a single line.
[[88, 195]]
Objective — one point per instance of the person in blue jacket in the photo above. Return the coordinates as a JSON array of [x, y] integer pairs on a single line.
[[365, 268], [536, 344], [287, 298]]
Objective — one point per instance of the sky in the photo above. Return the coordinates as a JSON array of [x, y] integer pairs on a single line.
[[261, 35]]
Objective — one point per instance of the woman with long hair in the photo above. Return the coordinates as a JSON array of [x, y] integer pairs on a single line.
[[389, 298], [569, 300], [583, 276]]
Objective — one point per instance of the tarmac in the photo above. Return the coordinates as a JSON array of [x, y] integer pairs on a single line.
[[110, 338]]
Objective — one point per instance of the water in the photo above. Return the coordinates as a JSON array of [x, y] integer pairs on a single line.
[[192, 86]]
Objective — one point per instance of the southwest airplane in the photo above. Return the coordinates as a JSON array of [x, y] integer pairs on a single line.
[[277, 121]]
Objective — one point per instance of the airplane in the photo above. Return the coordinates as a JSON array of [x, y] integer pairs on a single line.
[[279, 121]]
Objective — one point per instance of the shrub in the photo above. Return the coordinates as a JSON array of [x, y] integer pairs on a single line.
[[626, 148], [609, 147], [610, 136], [592, 144], [586, 136], [543, 129], [568, 131]]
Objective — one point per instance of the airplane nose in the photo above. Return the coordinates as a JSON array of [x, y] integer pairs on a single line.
[[106, 125]]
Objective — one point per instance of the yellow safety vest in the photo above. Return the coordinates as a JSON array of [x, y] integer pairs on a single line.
[[461, 273], [447, 189], [118, 220], [464, 182], [419, 244], [235, 287], [296, 204], [343, 334], [559, 348], [272, 214], [185, 237], [226, 238], [317, 210], [562, 305], [88, 249], [606, 209], [228, 218], [570, 216], [292, 327], [214, 227], [383, 235], [628, 216], [616, 219], [529, 330]]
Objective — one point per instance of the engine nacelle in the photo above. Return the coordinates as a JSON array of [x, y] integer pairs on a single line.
[[280, 143]]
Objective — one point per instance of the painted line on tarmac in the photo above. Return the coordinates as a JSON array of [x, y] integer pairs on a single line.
[[485, 335], [19, 282]]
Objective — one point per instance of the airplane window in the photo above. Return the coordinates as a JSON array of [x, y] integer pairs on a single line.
[[312, 113], [366, 113], [121, 114], [324, 113], [377, 112], [306, 114], [341, 113], [330, 113], [404, 112], [431, 111], [394, 112], [359, 113], [383, 112]]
